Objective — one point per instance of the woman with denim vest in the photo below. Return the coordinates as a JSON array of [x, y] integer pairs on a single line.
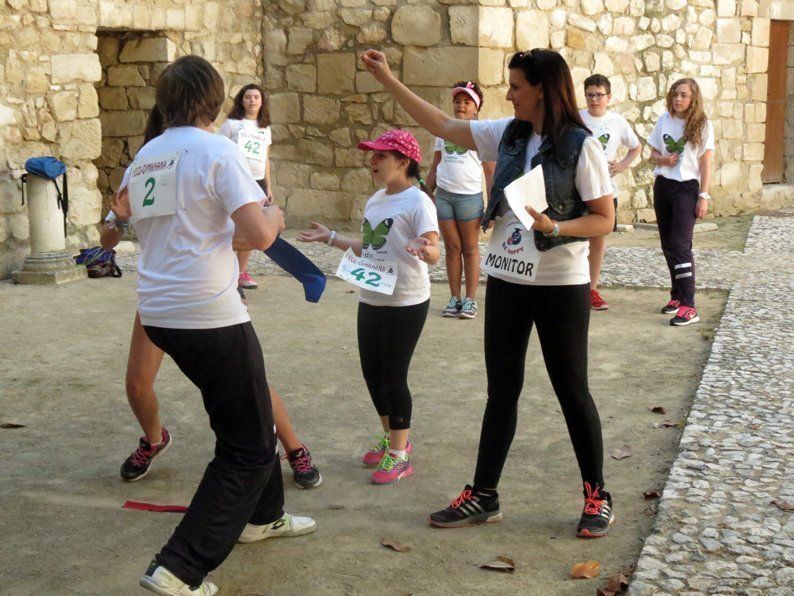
[[538, 277]]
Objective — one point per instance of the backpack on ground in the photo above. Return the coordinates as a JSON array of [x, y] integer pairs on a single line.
[[99, 262]]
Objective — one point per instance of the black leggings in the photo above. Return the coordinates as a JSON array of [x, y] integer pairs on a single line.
[[387, 336], [562, 316]]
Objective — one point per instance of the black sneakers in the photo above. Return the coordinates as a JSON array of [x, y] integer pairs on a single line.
[[471, 507], [136, 466], [597, 513], [304, 472]]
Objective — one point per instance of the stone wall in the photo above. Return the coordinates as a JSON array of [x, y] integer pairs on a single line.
[[789, 150], [323, 103], [49, 72]]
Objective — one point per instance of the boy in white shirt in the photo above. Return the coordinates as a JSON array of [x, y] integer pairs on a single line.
[[612, 130], [185, 192]]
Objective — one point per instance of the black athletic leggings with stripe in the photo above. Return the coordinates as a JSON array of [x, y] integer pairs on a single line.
[[562, 317], [387, 337]]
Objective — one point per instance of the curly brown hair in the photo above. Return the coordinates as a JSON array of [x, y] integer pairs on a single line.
[[695, 117], [238, 110]]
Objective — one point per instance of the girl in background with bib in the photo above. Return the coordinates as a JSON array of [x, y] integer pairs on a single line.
[[401, 231], [682, 145], [535, 278], [248, 125], [456, 175], [144, 363]]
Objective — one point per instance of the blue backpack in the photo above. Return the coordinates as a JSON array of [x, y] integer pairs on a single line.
[[49, 168], [98, 262]]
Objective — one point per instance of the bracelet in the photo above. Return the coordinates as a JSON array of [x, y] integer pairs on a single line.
[[704, 195], [331, 238], [555, 231]]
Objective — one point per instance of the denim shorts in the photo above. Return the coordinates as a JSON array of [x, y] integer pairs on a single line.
[[450, 205]]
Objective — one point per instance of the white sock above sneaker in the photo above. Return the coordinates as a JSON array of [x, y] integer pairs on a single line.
[[399, 454]]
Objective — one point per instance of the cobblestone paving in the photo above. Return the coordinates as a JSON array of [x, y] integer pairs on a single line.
[[716, 530]]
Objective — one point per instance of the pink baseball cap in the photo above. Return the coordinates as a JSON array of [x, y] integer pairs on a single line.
[[468, 90], [398, 140]]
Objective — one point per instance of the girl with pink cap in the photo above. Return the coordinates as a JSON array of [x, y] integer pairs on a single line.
[[399, 238], [456, 175]]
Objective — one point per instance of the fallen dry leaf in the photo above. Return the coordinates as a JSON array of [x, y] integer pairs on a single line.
[[622, 453], [586, 570], [501, 563], [781, 504], [651, 494], [616, 584], [10, 423], [658, 410], [394, 545]]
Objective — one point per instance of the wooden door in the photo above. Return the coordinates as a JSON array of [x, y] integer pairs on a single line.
[[774, 146]]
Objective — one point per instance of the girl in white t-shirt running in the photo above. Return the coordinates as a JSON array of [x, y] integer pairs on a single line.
[[248, 126], [185, 193], [400, 231], [537, 278], [682, 145], [456, 176]]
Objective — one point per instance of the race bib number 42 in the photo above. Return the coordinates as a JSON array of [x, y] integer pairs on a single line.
[[152, 187], [252, 144], [368, 275]]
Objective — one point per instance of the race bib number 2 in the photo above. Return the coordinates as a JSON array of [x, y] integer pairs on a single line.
[[152, 187], [369, 275]]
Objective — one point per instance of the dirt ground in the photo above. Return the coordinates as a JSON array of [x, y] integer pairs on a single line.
[[730, 235], [62, 361]]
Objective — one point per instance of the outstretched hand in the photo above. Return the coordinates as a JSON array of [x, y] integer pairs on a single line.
[[120, 205], [542, 223], [318, 233], [419, 247], [377, 65]]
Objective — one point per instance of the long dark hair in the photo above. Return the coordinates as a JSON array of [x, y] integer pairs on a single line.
[[154, 125], [548, 69], [238, 110], [413, 171]]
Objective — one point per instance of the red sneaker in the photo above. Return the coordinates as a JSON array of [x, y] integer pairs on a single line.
[[597, 302], [247, 282], [686, 316]]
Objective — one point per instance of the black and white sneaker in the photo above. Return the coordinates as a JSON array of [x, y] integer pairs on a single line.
[[597, 513], [471, 507], [137, 465], [161, 581]]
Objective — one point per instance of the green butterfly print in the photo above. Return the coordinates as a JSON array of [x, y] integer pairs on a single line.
[[376, 237], [453, 148], [604, 139], [672, 145]]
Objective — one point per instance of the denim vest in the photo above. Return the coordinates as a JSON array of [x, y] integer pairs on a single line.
[[559, 175]]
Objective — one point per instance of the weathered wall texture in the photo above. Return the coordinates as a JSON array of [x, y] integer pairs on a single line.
[[324, 103], [789, 173], [50, 72]]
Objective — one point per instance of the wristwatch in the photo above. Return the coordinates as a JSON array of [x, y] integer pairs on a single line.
[[704, 195], [555, 231]]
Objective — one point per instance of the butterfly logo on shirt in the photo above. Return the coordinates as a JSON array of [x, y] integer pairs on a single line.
[[377, 237], [604, 139], [451, 148], [672, 145]]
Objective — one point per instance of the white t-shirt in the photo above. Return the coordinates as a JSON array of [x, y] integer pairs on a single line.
[[187, 271], [396, 220], [256, 156], [611, 130], [566, 264], [460, 170], [667, 138]]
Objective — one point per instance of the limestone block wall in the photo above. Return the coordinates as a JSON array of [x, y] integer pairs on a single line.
[[50, 72], [789, 173], [324, 103]]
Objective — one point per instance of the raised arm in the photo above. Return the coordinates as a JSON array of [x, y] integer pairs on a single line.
[[426, 114]]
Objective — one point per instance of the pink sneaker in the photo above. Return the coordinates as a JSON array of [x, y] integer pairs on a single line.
[[391, 470], [247, 282], [686, 316], [373, 456]]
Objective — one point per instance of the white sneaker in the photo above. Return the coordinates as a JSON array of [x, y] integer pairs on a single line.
[[287, 525], [161, 581]]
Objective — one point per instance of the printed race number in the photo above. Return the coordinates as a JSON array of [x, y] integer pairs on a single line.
[[251, 143], [152, 186], [374, 276]]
